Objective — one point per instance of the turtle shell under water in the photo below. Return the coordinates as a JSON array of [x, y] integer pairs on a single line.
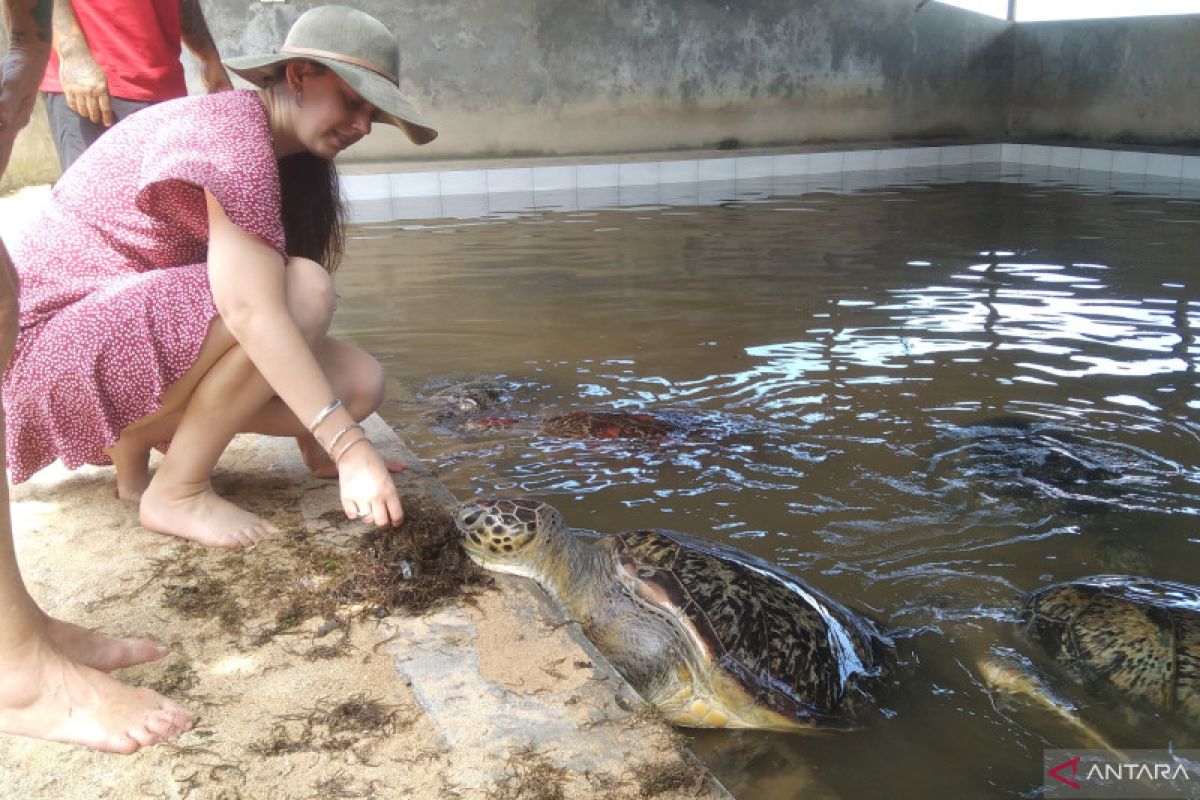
[[783, 647], [1136, 636]]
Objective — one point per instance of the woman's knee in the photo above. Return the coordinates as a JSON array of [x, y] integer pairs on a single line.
[[311, 298]]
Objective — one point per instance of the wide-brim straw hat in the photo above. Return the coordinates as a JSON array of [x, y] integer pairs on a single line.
[[356, 46]]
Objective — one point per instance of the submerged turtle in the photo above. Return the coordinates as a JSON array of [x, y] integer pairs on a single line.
[[1137, 638], [710, 635], [484, 405], [591, 424]]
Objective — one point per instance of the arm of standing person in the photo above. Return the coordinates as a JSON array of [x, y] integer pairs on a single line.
[[195, 34], [28, 23], [84, 84], [249, 289]]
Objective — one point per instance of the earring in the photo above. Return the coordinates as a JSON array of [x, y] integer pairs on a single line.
[[299, 99]]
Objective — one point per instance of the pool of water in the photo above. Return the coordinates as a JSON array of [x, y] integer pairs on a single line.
[[924, 399]]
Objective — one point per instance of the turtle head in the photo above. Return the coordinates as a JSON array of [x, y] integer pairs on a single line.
[[518, 536]]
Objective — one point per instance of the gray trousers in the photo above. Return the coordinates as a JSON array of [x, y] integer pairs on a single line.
[[72, 133]]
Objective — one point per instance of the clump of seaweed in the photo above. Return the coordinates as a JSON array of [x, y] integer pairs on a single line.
[[330, 727], [411, 569], [658, 778], [529, 775], [178, 678], [207, 598]]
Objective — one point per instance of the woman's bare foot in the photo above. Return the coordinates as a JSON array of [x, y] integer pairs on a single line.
[[95, 650], [315, 458], [322, 466], [133, 468], [46, 695], [201, 515]]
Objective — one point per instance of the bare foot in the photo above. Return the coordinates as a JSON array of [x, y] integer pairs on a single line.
[[315, 458], [45, 695], [322, 466], [200, 515], [133, 469], [93, 649]]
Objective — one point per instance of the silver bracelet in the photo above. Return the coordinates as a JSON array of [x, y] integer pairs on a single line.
[[342, 452], [323, 415], [333, 442]]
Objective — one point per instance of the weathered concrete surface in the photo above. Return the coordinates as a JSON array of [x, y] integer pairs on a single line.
[[1132, 80], [554, 76]]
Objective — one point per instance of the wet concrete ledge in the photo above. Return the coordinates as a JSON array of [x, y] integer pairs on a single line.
[[488, 695]]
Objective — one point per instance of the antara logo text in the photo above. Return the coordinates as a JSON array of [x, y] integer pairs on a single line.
[[1074, 774]]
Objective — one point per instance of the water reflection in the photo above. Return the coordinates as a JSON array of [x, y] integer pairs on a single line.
[[926, 401]]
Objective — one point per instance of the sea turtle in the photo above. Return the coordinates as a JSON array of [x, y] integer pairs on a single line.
[[589, 424], [710, 635], [1130, 637], [485, 405]]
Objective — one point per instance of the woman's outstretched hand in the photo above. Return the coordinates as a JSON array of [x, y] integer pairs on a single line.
[[368, 492]]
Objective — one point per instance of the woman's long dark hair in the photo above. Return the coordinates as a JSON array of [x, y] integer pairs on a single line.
[[313, 212]]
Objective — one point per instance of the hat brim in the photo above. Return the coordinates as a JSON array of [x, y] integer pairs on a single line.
[[393, 107]]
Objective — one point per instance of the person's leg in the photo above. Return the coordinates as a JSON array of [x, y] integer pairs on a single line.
[[51, 686], [222, 395], [71, 132]]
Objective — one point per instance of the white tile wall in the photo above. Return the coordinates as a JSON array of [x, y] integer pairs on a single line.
[[791, 164], [825, 163], [679, 171], [1096, 160], [955, 156], [1065, 157], [1129, 162], [1164, 166], [717, 169], [860, 160], [895, 158], [548, 179], [464, 193], [509, 180], [638, 174], [753, 167], [597, 176]]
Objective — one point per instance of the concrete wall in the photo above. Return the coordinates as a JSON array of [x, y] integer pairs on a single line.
[[513, 77], [501, 77], [1135, 80]]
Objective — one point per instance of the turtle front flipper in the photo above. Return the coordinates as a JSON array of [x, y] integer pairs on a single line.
[[1008, 674]]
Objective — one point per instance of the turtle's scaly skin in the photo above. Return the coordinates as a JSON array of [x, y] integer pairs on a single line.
[[712, 636], [1137, 636]]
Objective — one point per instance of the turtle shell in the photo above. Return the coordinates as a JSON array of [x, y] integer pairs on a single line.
[[790, 648], [608, 425], [1137, 636]]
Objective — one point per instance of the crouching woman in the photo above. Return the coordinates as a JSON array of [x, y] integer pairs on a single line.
[[178, 289]]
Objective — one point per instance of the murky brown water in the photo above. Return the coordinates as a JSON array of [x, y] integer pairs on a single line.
[[925, 400]]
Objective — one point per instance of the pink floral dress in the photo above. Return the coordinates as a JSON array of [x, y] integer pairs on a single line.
[[115, 300]]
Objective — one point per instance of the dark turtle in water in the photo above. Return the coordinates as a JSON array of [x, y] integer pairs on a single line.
[[708, 634], [484, 405], [592, 425], [1135, 638]]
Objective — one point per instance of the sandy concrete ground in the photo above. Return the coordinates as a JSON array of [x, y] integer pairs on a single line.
[[486, 696]]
